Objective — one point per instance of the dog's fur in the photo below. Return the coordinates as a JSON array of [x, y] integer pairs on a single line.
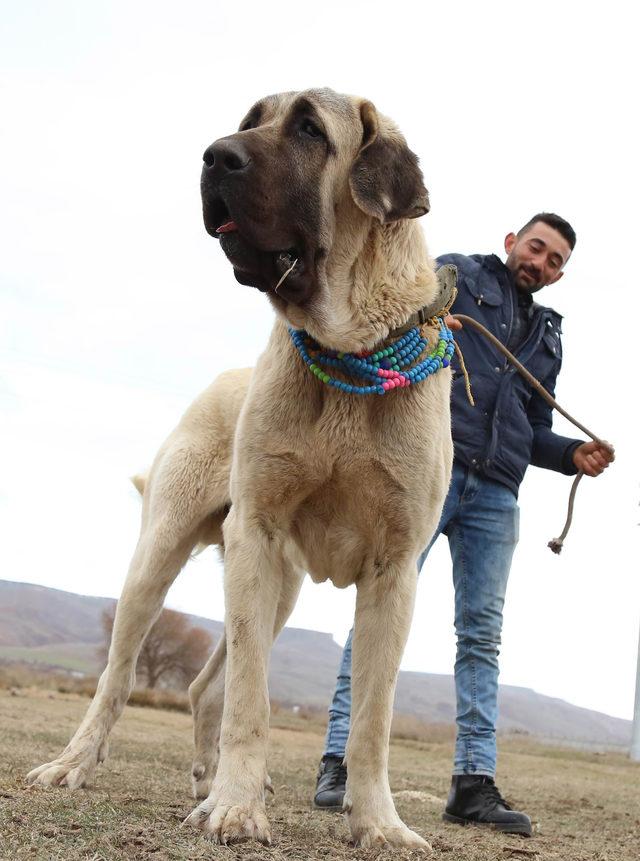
[[296, 475]]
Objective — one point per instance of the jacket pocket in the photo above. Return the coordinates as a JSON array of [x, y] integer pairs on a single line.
[[484, 291]]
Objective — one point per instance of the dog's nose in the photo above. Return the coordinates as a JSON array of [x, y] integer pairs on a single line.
[[226, 156]]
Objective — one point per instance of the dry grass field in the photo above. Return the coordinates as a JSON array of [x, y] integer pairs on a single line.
[[586, 807]]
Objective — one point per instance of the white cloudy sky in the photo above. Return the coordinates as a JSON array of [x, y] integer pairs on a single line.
[[117, 308]]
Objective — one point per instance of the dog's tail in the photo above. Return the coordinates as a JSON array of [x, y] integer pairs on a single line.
[[139, 481]]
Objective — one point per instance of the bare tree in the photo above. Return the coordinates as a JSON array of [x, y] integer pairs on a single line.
[[173, 652]]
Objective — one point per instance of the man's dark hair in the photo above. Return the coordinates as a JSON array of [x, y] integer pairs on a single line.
[[563, 227]]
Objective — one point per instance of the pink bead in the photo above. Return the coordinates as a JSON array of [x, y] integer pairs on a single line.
[[386, 386]]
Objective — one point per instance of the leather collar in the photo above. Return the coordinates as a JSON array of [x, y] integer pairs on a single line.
[[447, 279]]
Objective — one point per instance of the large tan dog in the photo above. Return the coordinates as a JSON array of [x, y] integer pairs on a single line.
[[298, 475]]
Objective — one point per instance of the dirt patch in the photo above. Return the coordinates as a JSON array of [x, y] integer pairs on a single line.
[[586, 807]]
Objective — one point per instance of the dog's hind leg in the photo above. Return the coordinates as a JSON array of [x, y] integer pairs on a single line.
[[181, 493], [384, 607], [207, 695]]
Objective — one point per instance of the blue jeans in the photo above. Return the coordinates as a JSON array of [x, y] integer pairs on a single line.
[[480, 518]]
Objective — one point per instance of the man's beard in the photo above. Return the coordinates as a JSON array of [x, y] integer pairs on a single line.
[[529, 286]]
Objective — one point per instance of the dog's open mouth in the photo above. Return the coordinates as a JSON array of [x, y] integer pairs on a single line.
[[279, 270]]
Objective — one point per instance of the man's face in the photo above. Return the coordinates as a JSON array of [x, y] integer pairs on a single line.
[[537, 257]]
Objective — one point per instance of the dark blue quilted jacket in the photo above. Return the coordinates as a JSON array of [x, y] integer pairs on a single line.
[[510, 425]]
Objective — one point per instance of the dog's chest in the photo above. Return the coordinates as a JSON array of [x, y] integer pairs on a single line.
[[351, 482], [363, 508], [359, 521]]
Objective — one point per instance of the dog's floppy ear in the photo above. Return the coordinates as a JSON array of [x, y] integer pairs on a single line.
[[385, 179]]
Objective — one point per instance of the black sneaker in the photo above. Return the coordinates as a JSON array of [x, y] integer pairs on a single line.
[[331, 783], [476, 800]]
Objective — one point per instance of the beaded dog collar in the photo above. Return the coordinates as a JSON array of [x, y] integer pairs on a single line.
[[396, 366]]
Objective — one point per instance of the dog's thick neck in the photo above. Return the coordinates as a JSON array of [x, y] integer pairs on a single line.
[[376, 277]]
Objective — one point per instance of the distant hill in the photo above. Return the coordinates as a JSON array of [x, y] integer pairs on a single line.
[[63, 629], [38, 616]]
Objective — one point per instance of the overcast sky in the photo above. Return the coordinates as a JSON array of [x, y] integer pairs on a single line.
[[117, 308]]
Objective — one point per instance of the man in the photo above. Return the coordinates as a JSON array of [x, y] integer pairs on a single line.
[[494, 442]]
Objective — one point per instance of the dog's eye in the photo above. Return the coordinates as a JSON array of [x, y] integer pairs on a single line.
[[310, 129]]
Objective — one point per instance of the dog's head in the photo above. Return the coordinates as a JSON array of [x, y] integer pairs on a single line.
[[302, 168]]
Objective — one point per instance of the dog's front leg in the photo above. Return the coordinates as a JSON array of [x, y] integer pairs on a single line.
[[254, 568], [384, 607]]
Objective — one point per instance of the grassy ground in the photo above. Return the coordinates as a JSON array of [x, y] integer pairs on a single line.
[[586, 807]]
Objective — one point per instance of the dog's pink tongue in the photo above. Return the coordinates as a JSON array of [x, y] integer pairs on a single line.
[[227, 227]]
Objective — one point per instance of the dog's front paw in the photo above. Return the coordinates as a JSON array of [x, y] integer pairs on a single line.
[[367, 835], [229, 821]]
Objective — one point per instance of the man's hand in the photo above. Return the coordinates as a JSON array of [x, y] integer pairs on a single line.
[[452, 323], [593, 458]]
